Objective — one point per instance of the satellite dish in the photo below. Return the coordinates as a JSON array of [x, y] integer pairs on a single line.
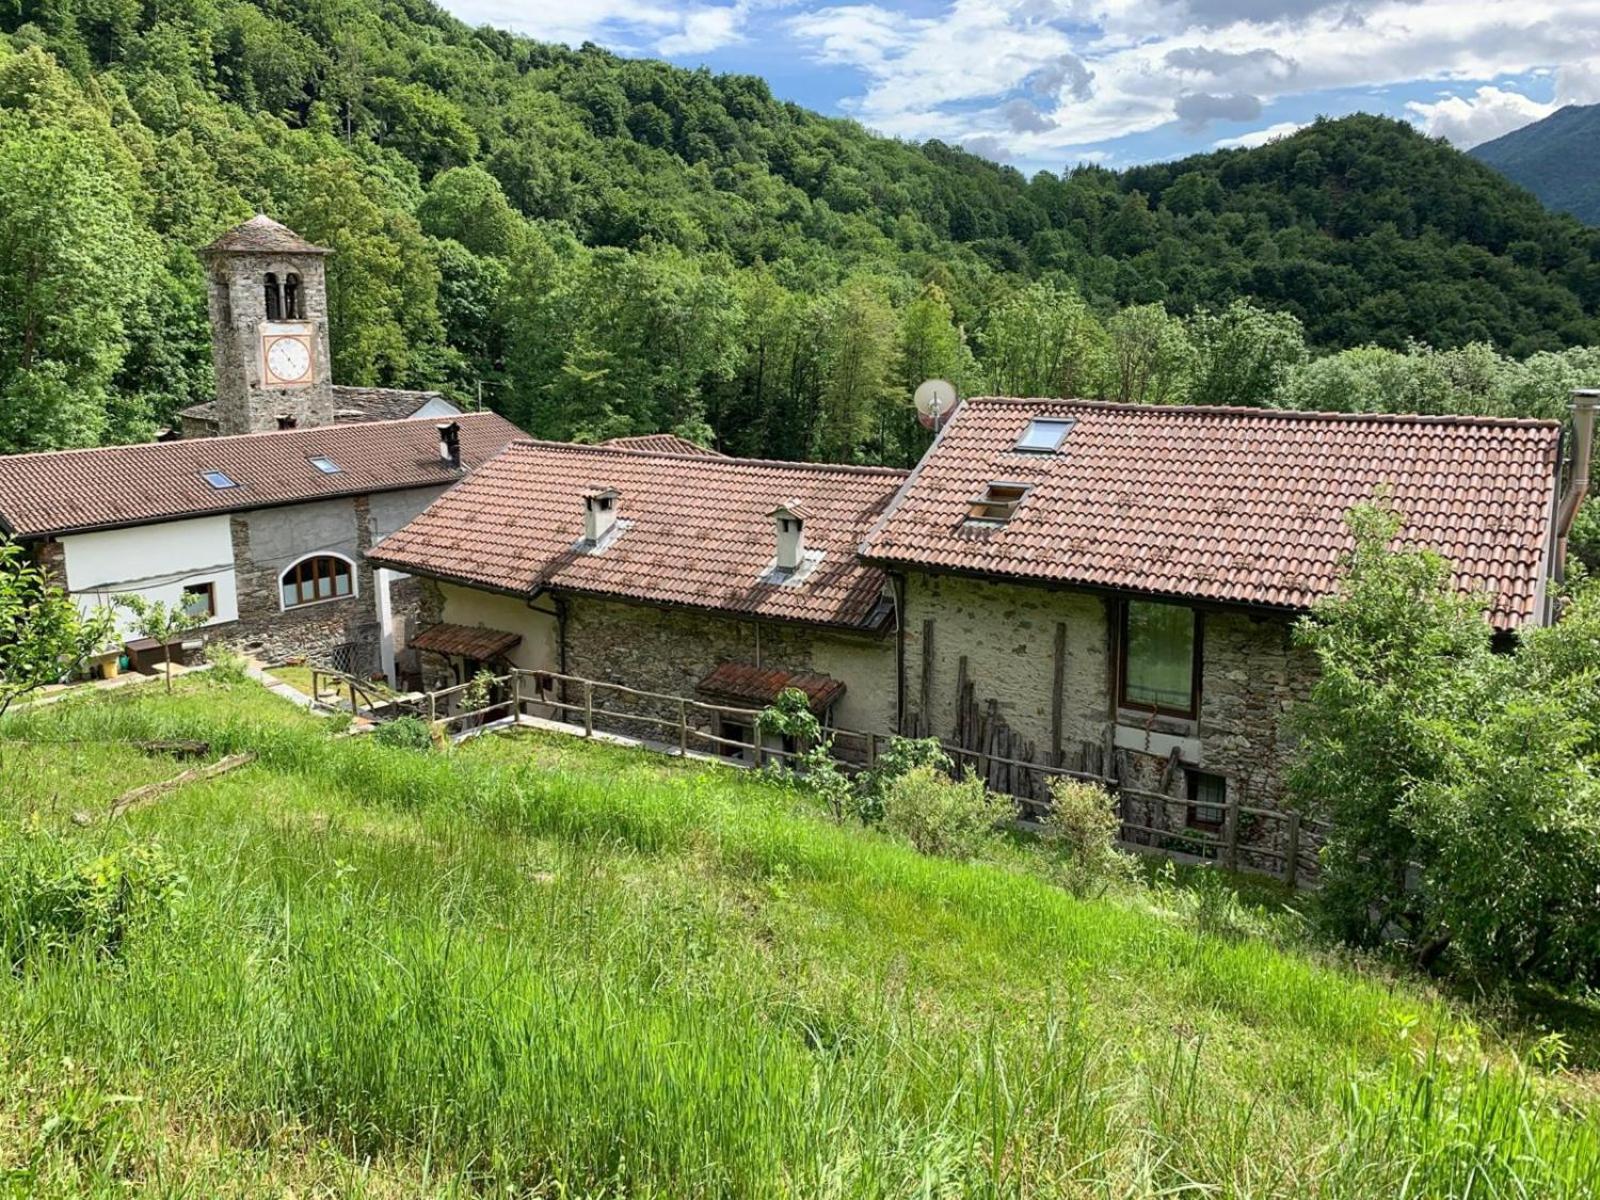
[[935, 400]]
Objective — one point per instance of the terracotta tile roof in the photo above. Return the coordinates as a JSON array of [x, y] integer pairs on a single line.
[[662, 443], [64, 491], [262, 235], [692, 531], [470, 641], [760, 686], [1228, 504]]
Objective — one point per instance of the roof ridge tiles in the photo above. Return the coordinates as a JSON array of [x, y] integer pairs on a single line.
[[722, 460], [1286, 414]]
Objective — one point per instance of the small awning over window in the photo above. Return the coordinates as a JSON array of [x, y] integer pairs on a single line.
[[757, 687], [469, 641]]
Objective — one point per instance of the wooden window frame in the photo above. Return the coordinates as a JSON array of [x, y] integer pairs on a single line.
[[208, 589], [1191, 817], [1192, 713], [308, 571], [996, 504]]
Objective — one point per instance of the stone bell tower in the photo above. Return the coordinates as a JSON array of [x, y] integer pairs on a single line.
[[269, 329]]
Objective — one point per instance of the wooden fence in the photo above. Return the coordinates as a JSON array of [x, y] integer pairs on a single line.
[[1292, 852]]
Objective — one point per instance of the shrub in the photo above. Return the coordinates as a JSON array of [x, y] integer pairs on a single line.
[[405, 733], [894, 762], [1080, 834], [51, 901], [812, 769], [227, 665], [942, 816]]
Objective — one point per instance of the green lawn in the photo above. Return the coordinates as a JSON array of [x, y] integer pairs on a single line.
[[535, 967]]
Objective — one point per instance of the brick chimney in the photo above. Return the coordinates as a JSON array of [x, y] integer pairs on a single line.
[[599, 514], [450, 444]]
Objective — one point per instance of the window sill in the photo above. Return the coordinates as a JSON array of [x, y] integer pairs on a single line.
[[292, 608], [1156, 739]]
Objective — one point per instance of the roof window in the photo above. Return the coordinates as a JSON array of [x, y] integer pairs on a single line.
[[998, 502], [325, 464], [1044, 435], [218, 480]]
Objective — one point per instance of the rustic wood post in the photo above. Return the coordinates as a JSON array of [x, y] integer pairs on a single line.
[[516, 696], [926, 691], [1057, 687], [683, 728], [433, 709], [1230, 836], [588, 708], [1291, 862], [872, 750]]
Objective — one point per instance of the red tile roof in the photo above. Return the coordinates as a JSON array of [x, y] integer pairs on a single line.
[[692, 531], [1223, 504], [470, 641], [760, 686], [662, 443], [62, 491]]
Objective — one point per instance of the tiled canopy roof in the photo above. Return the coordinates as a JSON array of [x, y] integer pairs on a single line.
[[692, 531], [1235, 505], [64, 491], [469, 641], [662, 443], [760, 686], [262, 235]]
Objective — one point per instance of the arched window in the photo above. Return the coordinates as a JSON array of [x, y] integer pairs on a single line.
[[291, 297], [274, 299], [320, 577]]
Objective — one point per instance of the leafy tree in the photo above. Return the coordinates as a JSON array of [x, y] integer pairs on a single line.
[[1243, 354], [1043, 341], [44, 636], [161, 621], [1150, 359]]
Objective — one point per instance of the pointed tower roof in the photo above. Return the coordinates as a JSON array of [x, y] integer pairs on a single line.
[[262, 235]]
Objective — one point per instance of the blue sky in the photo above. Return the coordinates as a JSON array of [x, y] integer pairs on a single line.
[[1043, 84]]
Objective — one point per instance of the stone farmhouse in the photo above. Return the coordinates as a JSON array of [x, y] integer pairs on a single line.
[[259, 531], [1098, 587]]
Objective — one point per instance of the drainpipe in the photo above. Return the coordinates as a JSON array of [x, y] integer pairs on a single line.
[[1584, 401]]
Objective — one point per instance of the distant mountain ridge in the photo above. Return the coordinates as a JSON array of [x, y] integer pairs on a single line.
[[1557, 159]]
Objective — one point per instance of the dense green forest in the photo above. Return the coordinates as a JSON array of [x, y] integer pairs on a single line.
[[1554, 159], [608, 246]]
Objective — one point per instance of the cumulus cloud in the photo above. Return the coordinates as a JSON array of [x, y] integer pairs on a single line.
[[1258, 137], [1198, 109], [1224, 64], [705, 30], [1465, 121], [1023, 117], [1068, 75]]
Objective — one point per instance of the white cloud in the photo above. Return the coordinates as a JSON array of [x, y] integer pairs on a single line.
[[1465, 121], [705, 30], [631, 26], [1259, 137]]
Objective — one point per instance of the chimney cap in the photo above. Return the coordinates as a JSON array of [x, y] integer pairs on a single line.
[[791, 508], [602, 493], [1585, 397]]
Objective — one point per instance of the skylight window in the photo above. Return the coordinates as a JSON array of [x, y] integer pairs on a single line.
[[1044, 435], [324, 464], [997, 504], [218, 480]]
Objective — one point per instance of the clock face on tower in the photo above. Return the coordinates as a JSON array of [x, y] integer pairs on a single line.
[[287, 358]]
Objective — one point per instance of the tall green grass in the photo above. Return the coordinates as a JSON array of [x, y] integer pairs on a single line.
[[514, 969]]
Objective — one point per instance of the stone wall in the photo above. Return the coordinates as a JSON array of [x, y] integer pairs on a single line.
[[1251, 675], [238, 308], [670, 650]]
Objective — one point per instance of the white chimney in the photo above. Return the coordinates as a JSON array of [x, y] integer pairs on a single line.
[[599, 514], [450, 444], [789, 523]]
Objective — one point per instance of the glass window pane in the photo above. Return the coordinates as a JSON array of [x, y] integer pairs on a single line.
[[324, 586], [342, 583], [291, 595], [1160, 656], [1044, 433], [197, 603]]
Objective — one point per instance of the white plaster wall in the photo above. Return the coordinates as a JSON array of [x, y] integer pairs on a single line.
[[539, 649], [867, 668], [154, 561]]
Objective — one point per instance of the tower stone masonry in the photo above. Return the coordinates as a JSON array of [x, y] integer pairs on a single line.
[[269, 329]]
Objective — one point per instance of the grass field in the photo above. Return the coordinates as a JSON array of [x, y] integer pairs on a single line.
[[533, 967]]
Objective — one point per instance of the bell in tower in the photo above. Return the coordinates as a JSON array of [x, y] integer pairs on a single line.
[[269, 329]]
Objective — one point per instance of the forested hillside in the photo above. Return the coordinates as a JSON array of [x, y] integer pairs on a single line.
[[613, 246], [1556, 159]]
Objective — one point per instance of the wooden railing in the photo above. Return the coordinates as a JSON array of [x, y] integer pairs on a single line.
[[550, 690], [326, 682]]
